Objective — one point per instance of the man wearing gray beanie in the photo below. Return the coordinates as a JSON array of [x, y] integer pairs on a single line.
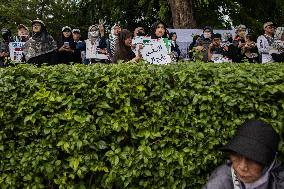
[[253, 163]]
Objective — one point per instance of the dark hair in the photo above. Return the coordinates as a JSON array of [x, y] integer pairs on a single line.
[[216, 35], [122, 51], [250, 37], [6, 33], [154, 27], [208, 28], [42, 35], [172, 34]]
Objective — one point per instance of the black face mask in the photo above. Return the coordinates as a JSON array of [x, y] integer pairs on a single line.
[[140, 33]]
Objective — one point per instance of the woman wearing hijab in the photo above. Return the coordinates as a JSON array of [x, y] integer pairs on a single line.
[[41, 47], [66, 47], [23, 34], [253, 162], [123, 49]]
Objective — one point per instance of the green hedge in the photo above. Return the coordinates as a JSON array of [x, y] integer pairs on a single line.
[[128, 125]]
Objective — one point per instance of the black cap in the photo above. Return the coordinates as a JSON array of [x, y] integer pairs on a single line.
[[255, 140]]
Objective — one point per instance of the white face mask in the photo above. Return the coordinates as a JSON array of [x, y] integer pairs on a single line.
[[207, 35], [94, 34]]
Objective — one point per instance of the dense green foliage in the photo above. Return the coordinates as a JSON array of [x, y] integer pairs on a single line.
[[81, 14], [128, 125]]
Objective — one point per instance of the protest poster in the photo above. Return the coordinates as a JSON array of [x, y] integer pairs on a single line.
[[136, 42], [155, 52], [93, 52], [16, 51]]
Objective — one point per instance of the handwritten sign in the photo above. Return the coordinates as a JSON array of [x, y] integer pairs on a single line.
[[16, 51], [219, 58], [137, 42], [92, 51], [155, 52]]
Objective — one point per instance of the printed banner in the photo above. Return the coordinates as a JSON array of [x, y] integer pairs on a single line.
[[16, 51], [92, 51]]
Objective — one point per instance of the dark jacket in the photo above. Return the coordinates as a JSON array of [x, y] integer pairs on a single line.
[[205, 42], [175, 49], [66, 57], [221, 178], [278, 57]]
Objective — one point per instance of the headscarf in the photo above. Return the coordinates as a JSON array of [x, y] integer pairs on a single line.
[[40, 43], [93, 34], [64, 39]]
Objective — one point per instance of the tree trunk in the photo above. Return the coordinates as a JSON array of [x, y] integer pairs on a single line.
[[182, 13]]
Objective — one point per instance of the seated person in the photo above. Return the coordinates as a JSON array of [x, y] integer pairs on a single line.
[[216, 52], [253, 163], [123, 51]]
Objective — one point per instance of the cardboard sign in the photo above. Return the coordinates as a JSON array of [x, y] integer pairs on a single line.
[[92, 51], [16, 51], [136, 42], [155, 52]]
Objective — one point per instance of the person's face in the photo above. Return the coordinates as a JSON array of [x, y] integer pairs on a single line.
[[128, 42], [117, 30], [174, 37], [76, 36], [269, 29], [282, 37], [160, 30], [217, 41], [36, 27], [101, 28], [66, 33], [248, 171], [23, 32], [242, 33], [207, 34]]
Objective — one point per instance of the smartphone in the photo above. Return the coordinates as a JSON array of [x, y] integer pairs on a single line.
[[66, 44]]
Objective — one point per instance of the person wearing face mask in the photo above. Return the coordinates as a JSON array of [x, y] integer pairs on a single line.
[[158, 30], [277, 51], [123, 50], [239, 43], [202, 44], [97, 36], [113, 38], [265, 41], [6, 38], [23, 34], [41, 47], [66, 46], [253, 162], [139, 32]]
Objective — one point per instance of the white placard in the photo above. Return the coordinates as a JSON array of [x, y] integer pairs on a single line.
[[155, 52], [92, 51], [16, 51]]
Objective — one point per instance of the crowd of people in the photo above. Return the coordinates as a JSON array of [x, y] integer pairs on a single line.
[[40, 47]]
